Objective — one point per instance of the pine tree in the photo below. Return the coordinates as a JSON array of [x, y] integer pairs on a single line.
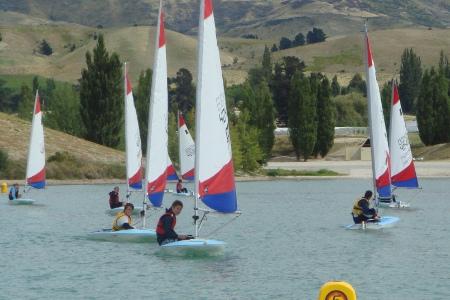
[[425, 119], [101, 96], [265, 121], [142, 104], [302, 116], [299, 40], [410, 77], [441, 109], [274, 48], [386, 98], [267, 64], [248, 140], [184, 93], [335, 87], [325, 118], [26, 103]]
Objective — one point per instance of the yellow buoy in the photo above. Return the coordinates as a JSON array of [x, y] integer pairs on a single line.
[[4, 187], [337, 290]]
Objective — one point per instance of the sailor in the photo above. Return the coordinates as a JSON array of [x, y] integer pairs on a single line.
[[123, 219], [14, 192], [114, 198], [362, 212], [180, 188], [165, 232]]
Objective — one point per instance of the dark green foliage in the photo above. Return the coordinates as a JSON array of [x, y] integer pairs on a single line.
[[250, 36], [410, 77], [302, 116], [267, 64], [250, 152], [183, 95], [256, 75], [299, 40], [335, 87], [35, 84], [283, 172], [281, 84], [172, 143], [26, 103], [63, 110], [325, 119], [142, 101], [6, 98], [274, 48], [315, 36], [101, 96], [45, 48], [425, 119], [357, 84], [1, 37], [3, 160], [285, 43]]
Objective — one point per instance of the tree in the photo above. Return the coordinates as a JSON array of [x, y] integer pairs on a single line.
[[45, 48], [410, 77], [248, 140], [101, 96], [172, 144], [35, 84], [6, 95], [302, 116], [184, 93], [357, 84], [299, 40], [386, 99], [325, 119], [315, 36], [26, 103], [285, 43], [274, 48], [335, 87], [267, 64], [142, 104]]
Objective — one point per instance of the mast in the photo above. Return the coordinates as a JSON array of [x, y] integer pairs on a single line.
[[198, 111], [369, 106], [127, 164]]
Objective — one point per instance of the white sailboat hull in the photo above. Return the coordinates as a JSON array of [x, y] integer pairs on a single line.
[[114, 211], [188, 194], [384, 222], [21, 201], [398, 204], [194, 247], [132, 235]]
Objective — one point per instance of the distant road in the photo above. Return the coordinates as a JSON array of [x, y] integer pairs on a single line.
[[356, 168]]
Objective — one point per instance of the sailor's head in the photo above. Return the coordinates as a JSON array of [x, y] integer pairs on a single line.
[[116, 188], [368, 194], [176, 207], [16, 185], [128, 209]]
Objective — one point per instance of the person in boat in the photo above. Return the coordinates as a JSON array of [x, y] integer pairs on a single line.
[[123, 219], [180, 188], [14, 192], [114, 198], [362, 212], [165, 232]]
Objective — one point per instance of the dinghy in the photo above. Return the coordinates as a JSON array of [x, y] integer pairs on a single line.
[[214, 172], [35, 175], [378, 141], [133, 151], [403, 171], [383, 222]]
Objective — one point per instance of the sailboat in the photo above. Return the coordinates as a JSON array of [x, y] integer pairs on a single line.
[[35, 175], [186, 149], [403, 171], [214, 171], [378, 142], [133, 151], [134, 176]]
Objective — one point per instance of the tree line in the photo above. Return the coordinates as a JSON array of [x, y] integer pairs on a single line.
[[316, 35]]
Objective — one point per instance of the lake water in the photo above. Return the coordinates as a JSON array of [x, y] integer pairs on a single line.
[[287, 243]]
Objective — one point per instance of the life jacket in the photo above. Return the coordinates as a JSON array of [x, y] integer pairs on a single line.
[[357, 210], [160, 229], [115, 226], [179, 187]]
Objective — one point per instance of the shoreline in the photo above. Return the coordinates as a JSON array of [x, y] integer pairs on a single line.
[[346, 169]]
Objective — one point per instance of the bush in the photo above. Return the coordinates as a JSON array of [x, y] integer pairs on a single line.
[[45, 48], [3, 160]]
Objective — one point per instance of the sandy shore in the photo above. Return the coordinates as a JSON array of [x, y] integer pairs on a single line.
[[348, 169]]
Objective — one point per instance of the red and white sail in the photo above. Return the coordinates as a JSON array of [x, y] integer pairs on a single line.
[[171, 172], [403, 172], [187, 150], [377, 128], [132, 139], [156, 166], [214, 172], [35, 175]]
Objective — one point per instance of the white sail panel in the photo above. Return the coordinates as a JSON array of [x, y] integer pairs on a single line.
[[35, 175]]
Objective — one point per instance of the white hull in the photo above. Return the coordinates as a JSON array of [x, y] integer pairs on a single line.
[[398, 204], [384, 222], [132, 235], [194, 247], [114, 211], [21, 201]]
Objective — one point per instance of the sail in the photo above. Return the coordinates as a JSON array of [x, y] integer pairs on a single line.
[[132, 139], [156, 165], [214, 172], [187, 150], [403, 172], [171, 172], [35, 176], [378, 136]]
